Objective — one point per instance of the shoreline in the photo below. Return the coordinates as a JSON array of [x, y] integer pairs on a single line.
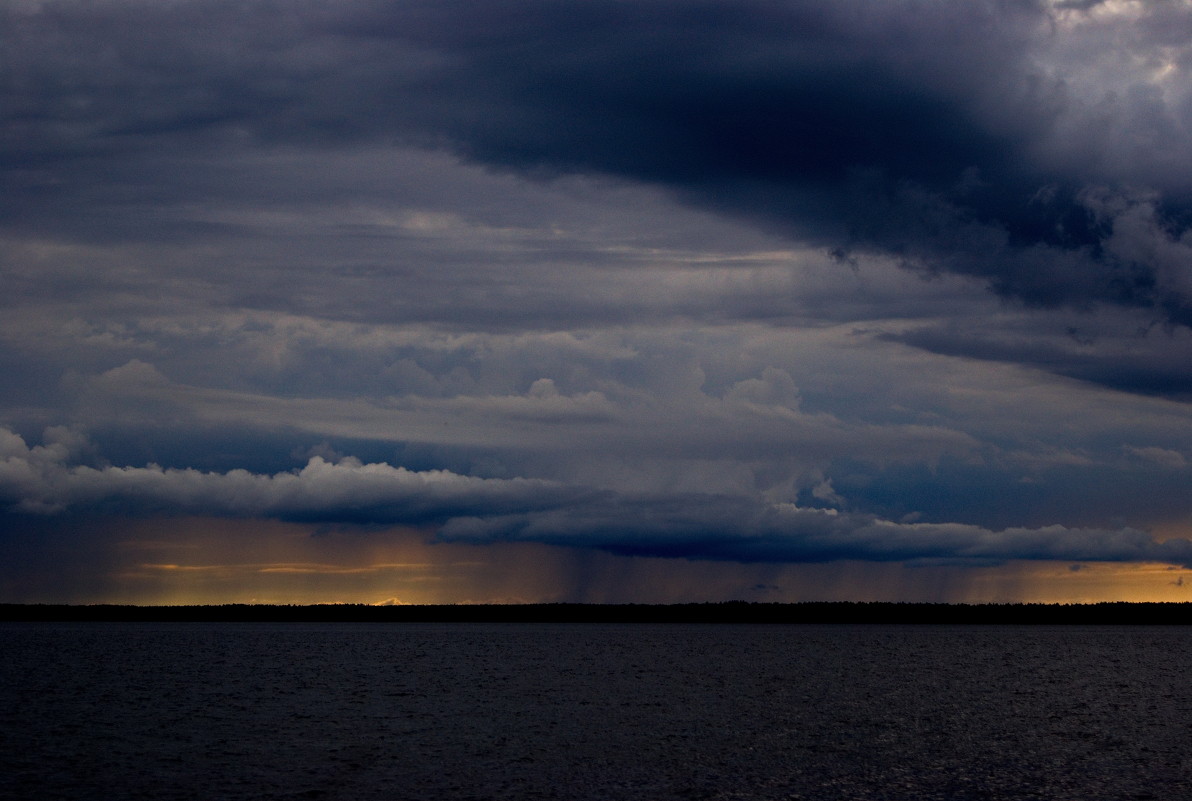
[[1105, 613]]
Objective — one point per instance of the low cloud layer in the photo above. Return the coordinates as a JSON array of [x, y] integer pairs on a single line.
[[42, 481]]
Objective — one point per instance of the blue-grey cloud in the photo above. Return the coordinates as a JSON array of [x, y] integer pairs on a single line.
[[42, 480], [45, 480], [735, 530], [937, 131], [980, 138]]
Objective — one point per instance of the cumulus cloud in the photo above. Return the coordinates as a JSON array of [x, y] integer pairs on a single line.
[[42, 480]]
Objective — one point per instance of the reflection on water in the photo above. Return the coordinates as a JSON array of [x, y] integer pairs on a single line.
[[513, 711]]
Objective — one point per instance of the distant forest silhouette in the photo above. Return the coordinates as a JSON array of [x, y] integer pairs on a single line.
[[1113, 613]]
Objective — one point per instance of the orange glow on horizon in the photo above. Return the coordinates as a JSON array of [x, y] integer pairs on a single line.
[[217, 561]]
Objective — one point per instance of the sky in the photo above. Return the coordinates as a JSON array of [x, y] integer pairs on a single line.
[[449, 301]]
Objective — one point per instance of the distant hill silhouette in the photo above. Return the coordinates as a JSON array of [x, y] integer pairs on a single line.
[[728, 612]]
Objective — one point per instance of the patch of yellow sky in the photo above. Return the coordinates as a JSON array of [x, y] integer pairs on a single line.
[[205, 561]]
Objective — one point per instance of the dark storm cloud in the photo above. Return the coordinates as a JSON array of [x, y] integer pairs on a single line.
[[744, 530], [932, 131], [42, 480], [966, 137], [46, 480], [1124, 355]]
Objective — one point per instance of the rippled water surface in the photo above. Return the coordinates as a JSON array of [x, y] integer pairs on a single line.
[[513, 711]]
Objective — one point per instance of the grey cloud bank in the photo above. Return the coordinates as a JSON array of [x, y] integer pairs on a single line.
[[41, 481], [754, 281], [995, 139]]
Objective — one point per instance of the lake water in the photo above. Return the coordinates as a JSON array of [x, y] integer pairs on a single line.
[[521, 711]]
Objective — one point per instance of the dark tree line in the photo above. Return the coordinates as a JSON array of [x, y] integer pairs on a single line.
[[727, 612]]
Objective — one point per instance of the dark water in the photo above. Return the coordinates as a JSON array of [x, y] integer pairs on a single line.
[[509, 711]]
